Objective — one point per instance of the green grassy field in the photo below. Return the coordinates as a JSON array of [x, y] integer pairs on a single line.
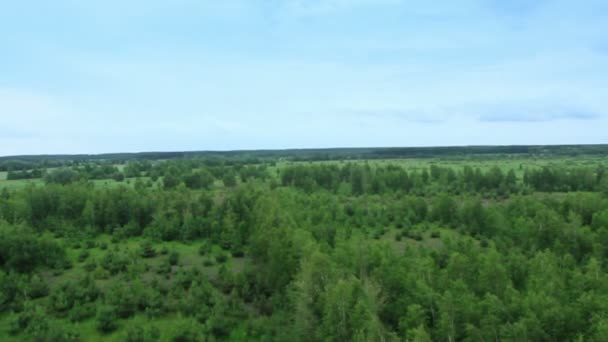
[[19, 183]]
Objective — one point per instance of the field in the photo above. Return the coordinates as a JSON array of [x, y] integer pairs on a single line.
[[406, 249]]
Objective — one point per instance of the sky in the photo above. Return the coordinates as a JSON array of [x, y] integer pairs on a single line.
[[146, 75]]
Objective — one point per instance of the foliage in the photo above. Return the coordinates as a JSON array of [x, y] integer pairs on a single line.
[[459, 248]]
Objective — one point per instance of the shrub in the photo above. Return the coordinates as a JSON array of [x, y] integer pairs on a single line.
[[83, 255], [32, 319], [90, 265], [186, 332], [164, 267], [204, 249], [81, 312], [37, 287], [173, 258], [137, 333], [238, 253], [106, 320], [147, 250], [221, 258]]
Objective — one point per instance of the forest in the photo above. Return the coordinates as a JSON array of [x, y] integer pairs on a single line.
[[464, 245]]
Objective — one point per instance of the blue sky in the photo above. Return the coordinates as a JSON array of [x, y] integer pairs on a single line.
[[110, 76]]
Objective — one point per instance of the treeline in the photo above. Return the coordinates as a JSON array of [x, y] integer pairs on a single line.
[[357, 178], [194, 174], [567, 179], [261, 156], [26, 174]]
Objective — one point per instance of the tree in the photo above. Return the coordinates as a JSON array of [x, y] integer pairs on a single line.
[[201, 179], [118, 176], [170, 181], [229, 179], [61, 176], [444, 210], [418, 334]]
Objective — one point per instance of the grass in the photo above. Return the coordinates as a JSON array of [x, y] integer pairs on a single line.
[[19, 183]]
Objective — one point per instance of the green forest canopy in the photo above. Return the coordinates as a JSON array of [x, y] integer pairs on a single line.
[[226, 249]]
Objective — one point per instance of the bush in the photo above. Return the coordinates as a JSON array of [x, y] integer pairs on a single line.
[[82, 312], [23, 251], [164, 267], [100, 273], [238, 253], [16, 323], [208, 262], [147, 250], [37, 287], [137, 333], [83, 255], [221, 258], [435, 234], [90, 265], [186, 332], [66, 265], [173, 258], [32, 319], [204, 249], [106, 320], [115, 262]]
